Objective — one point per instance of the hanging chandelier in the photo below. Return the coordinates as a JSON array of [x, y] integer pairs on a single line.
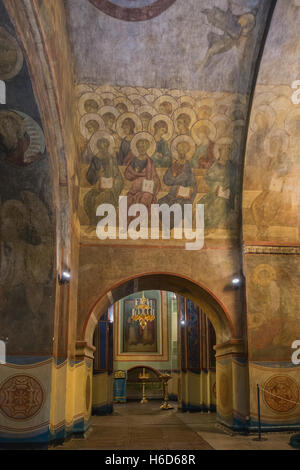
[[143, 311]]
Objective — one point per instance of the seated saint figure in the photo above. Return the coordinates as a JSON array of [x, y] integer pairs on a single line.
[[220, 177], [105, 176], [162, 157], [204, 155], [181, 179], [142, 173], [128, 127]]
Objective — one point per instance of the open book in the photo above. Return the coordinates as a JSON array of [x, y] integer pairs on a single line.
[[148, 186], [106, 183]]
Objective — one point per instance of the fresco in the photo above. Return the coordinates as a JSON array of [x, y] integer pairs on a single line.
[[271, 198], [273, 306], [184, 145], [27, 225]]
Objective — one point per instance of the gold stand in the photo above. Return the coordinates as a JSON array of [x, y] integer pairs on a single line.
[[144, 377], [165, 404]]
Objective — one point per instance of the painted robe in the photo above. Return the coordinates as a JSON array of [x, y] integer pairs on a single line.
[[137, 171], [165, 159], [106, 167], [204, 156]]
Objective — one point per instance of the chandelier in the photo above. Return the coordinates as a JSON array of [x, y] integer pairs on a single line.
[[143, 311]]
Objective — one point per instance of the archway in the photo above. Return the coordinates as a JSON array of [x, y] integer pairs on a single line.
[[231, 366]]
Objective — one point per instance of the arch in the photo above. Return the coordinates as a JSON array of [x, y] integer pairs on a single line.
[[179, 284]]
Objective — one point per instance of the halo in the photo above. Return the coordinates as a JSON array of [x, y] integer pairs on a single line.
[[269, 113], [86, 97], [136, 96], [168, 99], [121, 119], [277, 133], [223, 141], [128, 104], [264, 280], [107, 95], [82, 88], [13, 114], [143, 135], [142, 91], [264, 98], [167, 120], [17, 66], [107, 89], [183, 138], [218, 119], [150, 98], [190, 112], [155, 92], [147, 108], [109, 109], [204, 123], [99, 135], [290, 119], [36, 134], [85, 119], [187, 99], [129, 90]]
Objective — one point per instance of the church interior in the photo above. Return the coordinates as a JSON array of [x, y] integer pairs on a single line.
[[119, 335]]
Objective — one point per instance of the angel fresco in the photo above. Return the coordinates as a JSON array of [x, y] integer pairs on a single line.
[[103, 172], [22, 140], [234, 27]]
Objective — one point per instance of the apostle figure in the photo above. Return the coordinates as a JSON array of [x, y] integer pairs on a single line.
[[141, 172], [204, 155], [220, 177], [180, 176], [162, 129], [104, 175], [127, 125]]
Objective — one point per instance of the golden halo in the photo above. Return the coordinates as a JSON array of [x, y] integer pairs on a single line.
[[277, 133], [107, 95], [147, 108], [223, 141], [129, 90], [143, 135], [99, 135], [126, 102], [15, 67], [121, 119], [82, 88], [168, 99], [187, 99], [167, 120], [137, 97], [109, 109], [13, 115], [155, 92], [36, 134], [269, 274], [204, 123], [264, 98], [269, 114], [85, 119], [183, 138], [189, 112], [86, 97], [150, 98], [142, 91], [293, 116], [107, 89], [222, 124]]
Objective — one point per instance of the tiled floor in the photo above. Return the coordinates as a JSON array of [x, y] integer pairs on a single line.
[[133, 426]]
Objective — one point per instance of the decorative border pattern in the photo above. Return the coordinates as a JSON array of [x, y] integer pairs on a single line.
[[132, 14]]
